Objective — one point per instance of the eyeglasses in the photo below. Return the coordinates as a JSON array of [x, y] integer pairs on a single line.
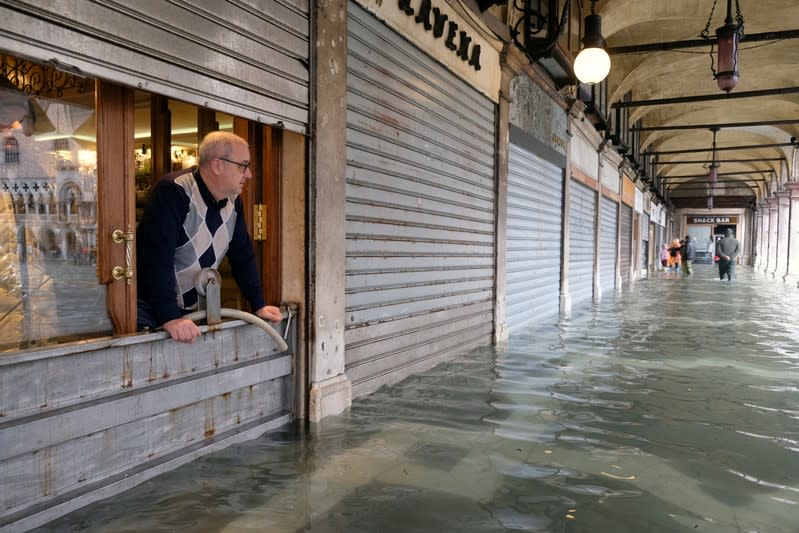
[[242, 166]]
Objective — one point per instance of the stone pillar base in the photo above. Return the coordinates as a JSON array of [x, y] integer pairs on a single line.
[[501, 333], [329, 397], [791, 279], [565, 303]]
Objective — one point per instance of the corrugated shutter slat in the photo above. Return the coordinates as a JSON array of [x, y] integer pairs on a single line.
[[534, 227], [420, 209], [607, 247], [581, 242]]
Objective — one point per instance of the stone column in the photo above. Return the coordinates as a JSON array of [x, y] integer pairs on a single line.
[[618, 231], [330, 389], [598, 225], [565, 296], [783, 201], [773, 217], [766, 227], [501, 220], [792, 269], [64, 251], [759, 236]]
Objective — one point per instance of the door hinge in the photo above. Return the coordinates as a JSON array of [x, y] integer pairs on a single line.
[[259, 222]]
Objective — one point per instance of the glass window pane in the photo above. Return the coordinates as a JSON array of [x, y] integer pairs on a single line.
[[143, 150], [48, 213]]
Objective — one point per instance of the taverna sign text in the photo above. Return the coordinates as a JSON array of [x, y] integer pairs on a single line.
[[434, 20]]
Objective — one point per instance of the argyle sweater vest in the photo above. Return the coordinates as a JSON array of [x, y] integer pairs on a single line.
[[209, 232]]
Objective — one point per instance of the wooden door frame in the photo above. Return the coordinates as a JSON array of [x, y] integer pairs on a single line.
[[116, 202], [265, 188]]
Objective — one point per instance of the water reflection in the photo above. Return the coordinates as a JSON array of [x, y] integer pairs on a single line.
[[674, 407]]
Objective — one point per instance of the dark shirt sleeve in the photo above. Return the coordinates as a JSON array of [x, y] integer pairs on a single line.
[[157, 240], [242, 262]]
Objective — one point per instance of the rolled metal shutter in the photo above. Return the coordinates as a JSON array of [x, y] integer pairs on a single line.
[[246, 58], [420, 209], [608, 217], [534, 229], [582, 216], [625, 246]]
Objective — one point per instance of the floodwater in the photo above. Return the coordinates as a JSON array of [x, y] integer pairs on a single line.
[[672, 407]]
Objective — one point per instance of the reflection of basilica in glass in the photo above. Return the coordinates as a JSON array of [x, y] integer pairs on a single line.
[[50, 176], [48, 202]]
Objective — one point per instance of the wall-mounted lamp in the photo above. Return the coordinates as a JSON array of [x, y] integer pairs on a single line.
[[592, 64], [729, 36], [537, 29]]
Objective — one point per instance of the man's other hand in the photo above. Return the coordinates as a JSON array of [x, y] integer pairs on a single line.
[[182, 330], [270, 313]]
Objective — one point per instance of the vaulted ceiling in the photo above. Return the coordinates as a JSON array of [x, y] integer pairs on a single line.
[[746, 174]]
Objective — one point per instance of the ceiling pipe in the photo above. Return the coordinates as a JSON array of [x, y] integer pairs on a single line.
[[725, 125], [699, 43], [704, 162], [706, 97], [672, 189], [747, 173], [701, 150]]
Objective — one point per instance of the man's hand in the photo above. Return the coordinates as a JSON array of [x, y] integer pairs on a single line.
[[270, 313], [182, 330]]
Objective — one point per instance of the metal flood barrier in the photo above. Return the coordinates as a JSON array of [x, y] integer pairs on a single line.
[[84, 421]]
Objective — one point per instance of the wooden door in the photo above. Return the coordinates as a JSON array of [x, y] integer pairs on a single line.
[[116, 254]]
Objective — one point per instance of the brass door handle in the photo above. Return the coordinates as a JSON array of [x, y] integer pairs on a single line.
[[118, 237]]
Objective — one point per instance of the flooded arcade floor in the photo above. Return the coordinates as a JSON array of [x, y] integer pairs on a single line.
[[672, 407]]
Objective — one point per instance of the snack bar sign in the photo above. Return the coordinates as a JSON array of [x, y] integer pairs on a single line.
[[713, 220]]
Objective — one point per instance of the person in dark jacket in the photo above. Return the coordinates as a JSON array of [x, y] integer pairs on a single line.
[[727, 249], [688, 255], [193, 219]]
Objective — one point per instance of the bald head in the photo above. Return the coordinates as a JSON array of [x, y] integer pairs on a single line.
[[224, 164], [218, 144]]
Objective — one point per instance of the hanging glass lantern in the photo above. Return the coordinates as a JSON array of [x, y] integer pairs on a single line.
[[728, 37], [712, 174]]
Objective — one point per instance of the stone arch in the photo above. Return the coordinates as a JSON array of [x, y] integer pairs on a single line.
[[73, 241], [47, 241], [10, 150], [40, 204], [71, 198], [19, 204]]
